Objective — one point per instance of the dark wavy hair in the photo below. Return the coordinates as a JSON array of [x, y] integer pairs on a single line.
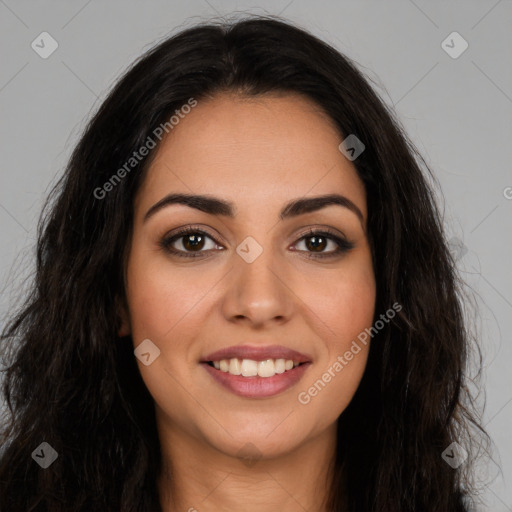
[[72, 382]]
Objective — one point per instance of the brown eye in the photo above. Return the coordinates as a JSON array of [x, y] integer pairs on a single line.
[[189, 243], [316, 243], [193, 242]]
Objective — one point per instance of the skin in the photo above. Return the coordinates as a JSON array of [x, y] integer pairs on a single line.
[[259, 153]]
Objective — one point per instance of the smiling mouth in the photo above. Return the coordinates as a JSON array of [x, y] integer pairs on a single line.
[[256, 379], [253, 368]]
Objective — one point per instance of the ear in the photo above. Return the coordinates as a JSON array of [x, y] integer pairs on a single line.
[[123, 318]]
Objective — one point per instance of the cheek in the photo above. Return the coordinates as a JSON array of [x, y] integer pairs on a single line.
[[344, 307], [353, 307], [165, 307], [161, 297], [343, 301]]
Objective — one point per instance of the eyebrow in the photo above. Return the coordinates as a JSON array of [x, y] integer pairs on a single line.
[[216, 206]]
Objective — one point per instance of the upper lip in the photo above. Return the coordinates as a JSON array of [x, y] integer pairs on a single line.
[[257, 353]]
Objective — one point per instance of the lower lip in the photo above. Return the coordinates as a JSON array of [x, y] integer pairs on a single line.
[[257, 387]]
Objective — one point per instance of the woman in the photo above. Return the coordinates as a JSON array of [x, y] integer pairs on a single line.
[[244, 298]]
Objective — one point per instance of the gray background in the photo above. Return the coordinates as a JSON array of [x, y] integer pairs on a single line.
[[457, 111]]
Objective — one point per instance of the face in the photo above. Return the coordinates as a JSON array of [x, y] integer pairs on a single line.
[[254, 274]]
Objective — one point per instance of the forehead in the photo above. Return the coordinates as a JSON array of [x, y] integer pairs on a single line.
[[253, 151]]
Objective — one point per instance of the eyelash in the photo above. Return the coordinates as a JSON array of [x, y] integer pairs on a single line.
[[343, 245]]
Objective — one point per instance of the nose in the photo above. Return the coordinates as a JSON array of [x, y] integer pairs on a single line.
[[258, 293]]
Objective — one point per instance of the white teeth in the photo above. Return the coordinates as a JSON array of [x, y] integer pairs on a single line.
[[279, 365], [252, 368], [235, 368], [249, 368], [266, 368]]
